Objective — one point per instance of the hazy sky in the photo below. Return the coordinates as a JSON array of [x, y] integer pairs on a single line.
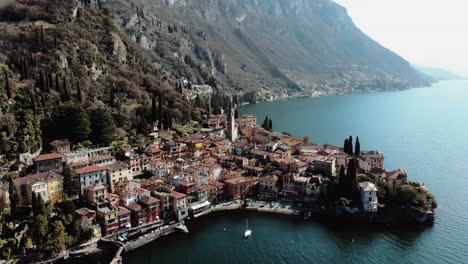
[[424, 32]]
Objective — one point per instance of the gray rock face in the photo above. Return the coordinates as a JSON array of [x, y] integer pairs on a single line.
[[303, 45]]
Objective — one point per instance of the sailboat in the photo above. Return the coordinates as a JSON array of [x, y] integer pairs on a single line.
[[247, 232]]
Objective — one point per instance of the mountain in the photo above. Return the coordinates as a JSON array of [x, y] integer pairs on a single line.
[[264, 46], [438, 74], [59, 57]]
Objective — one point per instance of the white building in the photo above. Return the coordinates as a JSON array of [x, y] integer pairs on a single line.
[[368, 196]]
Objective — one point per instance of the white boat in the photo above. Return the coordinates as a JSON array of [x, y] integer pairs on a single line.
[[247, 232]]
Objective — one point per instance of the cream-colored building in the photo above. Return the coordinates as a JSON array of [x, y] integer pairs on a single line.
[[118, 172]]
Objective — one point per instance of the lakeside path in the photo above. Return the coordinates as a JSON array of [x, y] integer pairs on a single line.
[[259, 206]]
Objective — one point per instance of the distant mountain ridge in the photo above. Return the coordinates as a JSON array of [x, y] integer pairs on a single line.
[[265, 45], [439, 74]]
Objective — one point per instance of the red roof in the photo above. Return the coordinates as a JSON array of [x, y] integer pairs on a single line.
[[89, 169], [178, 195], [48, 156]]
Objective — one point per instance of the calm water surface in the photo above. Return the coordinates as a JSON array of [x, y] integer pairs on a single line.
[[424, 131]]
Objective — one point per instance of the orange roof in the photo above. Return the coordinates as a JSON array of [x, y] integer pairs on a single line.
[[178, 195], [239, 180], [48, 156], [89, 169]]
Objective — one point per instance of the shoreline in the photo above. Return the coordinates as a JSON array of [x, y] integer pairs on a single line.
[[325, 94], [326, 216]]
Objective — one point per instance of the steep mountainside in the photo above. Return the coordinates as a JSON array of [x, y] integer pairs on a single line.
[[264, 45], [65, 59]]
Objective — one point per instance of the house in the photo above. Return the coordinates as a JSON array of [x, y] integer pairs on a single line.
[[165, 203], [325, 165], [269, 184], [108, 218], [95, 193], [138, 214], [133, 196], [219, 188], [118, 172], [211, 191], [85, 217], [124, 218], [368, 196], [49, 162], [60, 146], [102, 160], [92, 175], [151, 205], [238, 188], [179, 205], [371, 159], [49, 185], [247, 120], [299, 167]]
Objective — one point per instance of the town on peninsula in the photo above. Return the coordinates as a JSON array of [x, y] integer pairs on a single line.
[[120, 198]]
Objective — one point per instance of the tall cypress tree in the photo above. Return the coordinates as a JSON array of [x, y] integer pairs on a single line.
[[270, 124], [342, 180], [265, 124], [78, 92], [65, 92], [350, 142], [7, 84], [357, 150], [57, 84], [154, 109], [34, 203], [346, 146], [160, 111]]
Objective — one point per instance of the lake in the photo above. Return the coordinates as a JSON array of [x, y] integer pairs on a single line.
[[424, 131]]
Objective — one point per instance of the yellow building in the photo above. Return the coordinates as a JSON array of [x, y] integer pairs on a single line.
[[48, 184]]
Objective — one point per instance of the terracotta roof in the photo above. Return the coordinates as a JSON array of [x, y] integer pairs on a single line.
[[31, 179], [89, 169], [84, 211], [239, 180], [148, 200], [178, 195], [123, 210], [48, 156], [215, 183], [118, 166], [207, 187], [134, 207]]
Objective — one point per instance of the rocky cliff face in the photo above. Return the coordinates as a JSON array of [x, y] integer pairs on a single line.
[[265, 45]]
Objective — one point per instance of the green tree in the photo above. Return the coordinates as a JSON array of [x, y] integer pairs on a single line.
[[270, 125], [79, 96], [70, 121], [7, 84], [357, 148], [342, 180], [15, 197], [350, 147], [346, 146], [39, 230], [102, 126], [154, 109], [57, 238], [41, 207], [71, 181], [265, 123]]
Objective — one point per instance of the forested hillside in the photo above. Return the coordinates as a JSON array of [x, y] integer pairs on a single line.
[[69, 71]]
